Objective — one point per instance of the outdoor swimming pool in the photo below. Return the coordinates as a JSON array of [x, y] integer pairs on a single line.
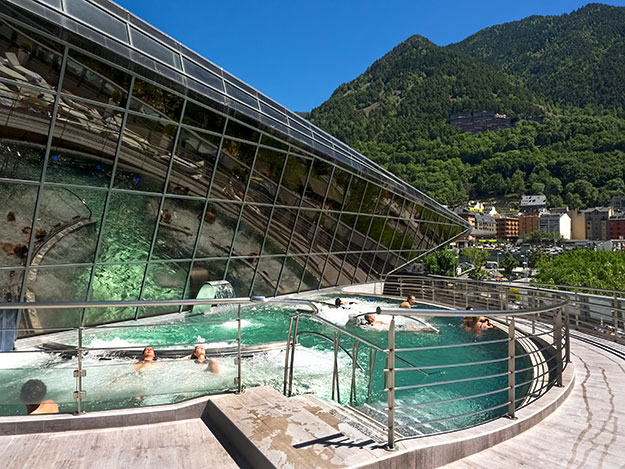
[[115, 383]]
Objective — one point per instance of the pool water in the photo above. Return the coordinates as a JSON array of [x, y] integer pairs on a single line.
[[116, 383]]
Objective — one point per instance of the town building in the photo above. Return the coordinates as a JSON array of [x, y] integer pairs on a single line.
[[533, 204], [578, 224], [618, 203], [507, 228], [557, 223], [597, 220], [528, 223], [617, 226]]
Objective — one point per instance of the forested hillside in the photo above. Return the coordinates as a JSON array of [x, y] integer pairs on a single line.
[[398, 113]]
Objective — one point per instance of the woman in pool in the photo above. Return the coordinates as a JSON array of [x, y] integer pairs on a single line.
[[199, 355]]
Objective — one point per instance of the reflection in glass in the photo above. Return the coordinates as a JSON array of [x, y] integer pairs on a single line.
[[19, 161], [92, 79], [364, 266], [267, 275], [84, 143], [10, 285], [243, 132], [18, 207], [145, 154], [70, 221], [293, 180], [27, 59], [312, 275], [370, 200], [318, 182], [331, 271], [348, 269], [199, 116], [233, 170], [51, 285], [304, 231], [325, 232], [240, 273], [164, 281], [115, 283], [205, 271], [128, 227], [291, 275], [194, 163], [343, 232], [273, 143], [338, 190], [354, 196], [154, 101], [279, 232], [266, 175], [220, 222], [178, 228], [251, 232]]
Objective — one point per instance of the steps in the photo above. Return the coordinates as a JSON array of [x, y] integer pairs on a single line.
[[271, 430]]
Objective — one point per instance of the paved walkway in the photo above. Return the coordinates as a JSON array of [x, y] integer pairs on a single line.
[[587, 430]]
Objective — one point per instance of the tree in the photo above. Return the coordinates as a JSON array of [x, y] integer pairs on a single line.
[[477, 257], [541, 237], [443, 262], [508, 264]]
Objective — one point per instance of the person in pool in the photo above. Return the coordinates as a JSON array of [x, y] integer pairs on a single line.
[[32, 395], [410, 300], [148, 358], [199, 355]]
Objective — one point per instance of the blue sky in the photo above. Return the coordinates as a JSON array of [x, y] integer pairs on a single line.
[[299, 52]]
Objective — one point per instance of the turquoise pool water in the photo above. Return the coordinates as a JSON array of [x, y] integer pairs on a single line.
[[115, 383]]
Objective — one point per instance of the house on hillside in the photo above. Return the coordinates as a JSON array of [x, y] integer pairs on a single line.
[[597, 220], [533, 204], [557, 223]]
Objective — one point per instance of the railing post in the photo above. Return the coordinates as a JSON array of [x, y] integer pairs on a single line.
[[238, 378], [286, 357], [293, 344], [335, 369], [567, 333], [615, 313], [576, 310], [352, 395], [372, 356], [390, 384], [511, 368], [557, 338], [79, 374]]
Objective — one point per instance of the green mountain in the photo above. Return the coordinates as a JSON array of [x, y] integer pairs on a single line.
[[410, 111], [576, 59]]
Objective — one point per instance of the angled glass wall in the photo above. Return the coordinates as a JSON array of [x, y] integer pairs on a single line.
[[131, 168]]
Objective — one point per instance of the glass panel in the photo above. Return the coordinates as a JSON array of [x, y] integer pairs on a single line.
[[155, 101], [240, 273], [304, 231], [164, 282], [267, 276], [325, 232], [279, 232], [84, 144], [370, 198], [10, 285], [293, 181], [128, 227], [145, 154], [194, 162], [233, 170], [251, 230], [89, 78], [318, 182], [266, 175], [154, 48], [178, 228], [332, 270], [354, 196], [375, 232], [69, 223], [97, 18], [378, 264], [19, 161], [18, 202], [218, 229], [243, 132], [360, 231], [205, 271], [343, 232], [200, 116], [312, 276], [115, 283], [349, 268], [364, 266], [338, 190], [272, 142], [27, 59], [291, 275], [54, 285]]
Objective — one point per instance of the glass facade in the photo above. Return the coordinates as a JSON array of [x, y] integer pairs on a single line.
[[131, 168]]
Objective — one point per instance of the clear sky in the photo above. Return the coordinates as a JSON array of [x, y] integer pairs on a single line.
[[298, 52]]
